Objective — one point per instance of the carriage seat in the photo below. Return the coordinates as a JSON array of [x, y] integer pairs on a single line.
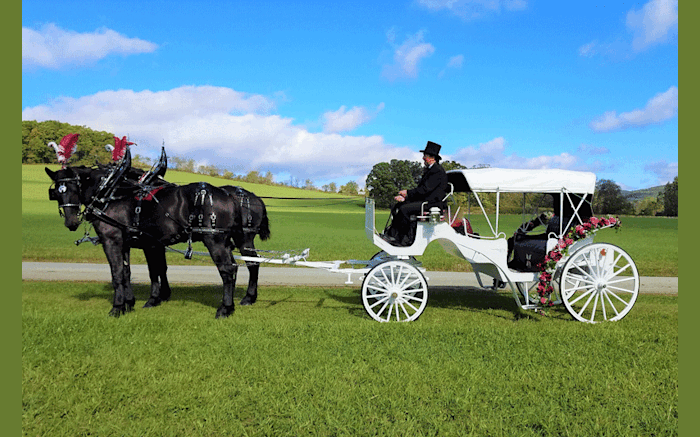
[[464, 227], [427, 212], [529, 250]]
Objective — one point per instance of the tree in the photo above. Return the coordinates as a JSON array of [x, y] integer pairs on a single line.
[[330, 188], [647, 206], [671, 198], [608, 199], [451, 165], [37, 135], [387, 178], [351, 188]]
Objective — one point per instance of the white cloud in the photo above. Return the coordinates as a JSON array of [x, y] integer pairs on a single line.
[[343, 120], [663, 170], [221, 126], [653, 23], [588, 149], [53, 47], [473, 9], [454, 63], [588, 50], [407, 56], [493, 153], [659, 108]]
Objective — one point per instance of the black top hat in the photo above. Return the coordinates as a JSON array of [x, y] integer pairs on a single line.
[[433, 149]]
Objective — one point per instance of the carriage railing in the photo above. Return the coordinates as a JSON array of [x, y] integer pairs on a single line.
[[563, 194]]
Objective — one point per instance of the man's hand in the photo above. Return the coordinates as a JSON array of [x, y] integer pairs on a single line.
[[403, 194]]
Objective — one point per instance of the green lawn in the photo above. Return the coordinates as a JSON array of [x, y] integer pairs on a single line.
[[309, 361]]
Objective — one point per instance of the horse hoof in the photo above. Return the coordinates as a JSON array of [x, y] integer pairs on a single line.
[[247, 300], [116, 313], [223, 312], [152, 302]]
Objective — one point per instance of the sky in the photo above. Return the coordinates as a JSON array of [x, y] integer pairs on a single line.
[[325, 90]]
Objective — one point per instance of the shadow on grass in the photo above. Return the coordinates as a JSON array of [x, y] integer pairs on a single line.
[[466, 299], [208, 295]]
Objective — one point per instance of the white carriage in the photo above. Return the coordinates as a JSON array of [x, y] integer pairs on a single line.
[[596, 281]]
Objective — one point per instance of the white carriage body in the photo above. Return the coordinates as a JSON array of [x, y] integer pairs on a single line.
[[594, 280], [488, 255]]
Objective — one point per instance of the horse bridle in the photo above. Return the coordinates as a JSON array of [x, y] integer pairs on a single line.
[[54, 192]]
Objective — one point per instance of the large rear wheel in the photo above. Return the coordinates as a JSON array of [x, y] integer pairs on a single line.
[[394, 290], [599, 282]]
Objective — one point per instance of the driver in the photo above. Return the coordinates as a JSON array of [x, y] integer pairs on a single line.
[[432, 189]]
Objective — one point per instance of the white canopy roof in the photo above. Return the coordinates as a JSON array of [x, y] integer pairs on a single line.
[[522, 180]]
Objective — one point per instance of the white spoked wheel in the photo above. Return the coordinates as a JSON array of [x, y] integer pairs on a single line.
[[599, 283], [394, 291]]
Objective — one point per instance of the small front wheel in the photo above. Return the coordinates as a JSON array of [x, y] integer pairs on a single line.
[[394, 290], [599, 283]]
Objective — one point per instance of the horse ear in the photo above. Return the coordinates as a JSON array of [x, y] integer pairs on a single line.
[[52, 174]]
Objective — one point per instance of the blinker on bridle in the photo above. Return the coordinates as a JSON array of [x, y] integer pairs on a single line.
[[54, 192]]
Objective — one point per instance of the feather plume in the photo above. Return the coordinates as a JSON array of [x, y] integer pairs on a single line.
[[66, 148], [119, 149]]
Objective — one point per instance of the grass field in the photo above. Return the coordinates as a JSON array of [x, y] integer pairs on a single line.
[[332, 229], [308, 361]]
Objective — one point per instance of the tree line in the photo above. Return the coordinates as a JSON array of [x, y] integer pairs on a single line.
[[383, 182], [387, 178], [91, 150]]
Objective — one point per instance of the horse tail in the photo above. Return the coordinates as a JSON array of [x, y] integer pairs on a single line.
[[264, 231]]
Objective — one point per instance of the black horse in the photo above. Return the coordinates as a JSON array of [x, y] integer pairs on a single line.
[[124, 216]]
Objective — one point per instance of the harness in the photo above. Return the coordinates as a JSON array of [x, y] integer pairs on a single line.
[[195, 224], [53, 192], [246, 215]]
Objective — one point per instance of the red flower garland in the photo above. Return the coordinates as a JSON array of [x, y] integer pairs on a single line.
[[548, 266]]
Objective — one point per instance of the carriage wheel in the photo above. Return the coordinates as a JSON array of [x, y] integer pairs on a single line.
[[599, 283], [394, 290]]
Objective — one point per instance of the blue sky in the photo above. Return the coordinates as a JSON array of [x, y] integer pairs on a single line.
[[323, 90]]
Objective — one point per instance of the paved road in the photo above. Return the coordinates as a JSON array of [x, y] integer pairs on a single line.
[[268, 276]]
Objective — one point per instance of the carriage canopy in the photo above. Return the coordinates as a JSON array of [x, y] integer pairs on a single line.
[[491, 180]]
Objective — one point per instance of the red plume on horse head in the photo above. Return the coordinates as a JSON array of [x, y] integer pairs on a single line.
[[119, 148], [66, 148]]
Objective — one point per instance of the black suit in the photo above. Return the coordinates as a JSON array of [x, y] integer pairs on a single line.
[[432, 188]]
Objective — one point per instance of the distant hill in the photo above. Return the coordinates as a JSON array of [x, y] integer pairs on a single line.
[[637, 195]]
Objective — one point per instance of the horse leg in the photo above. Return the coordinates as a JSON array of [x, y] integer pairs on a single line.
[[165, 290], [248, 249], [119, 267], [157, 267], [228, 269], [129, 298]]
